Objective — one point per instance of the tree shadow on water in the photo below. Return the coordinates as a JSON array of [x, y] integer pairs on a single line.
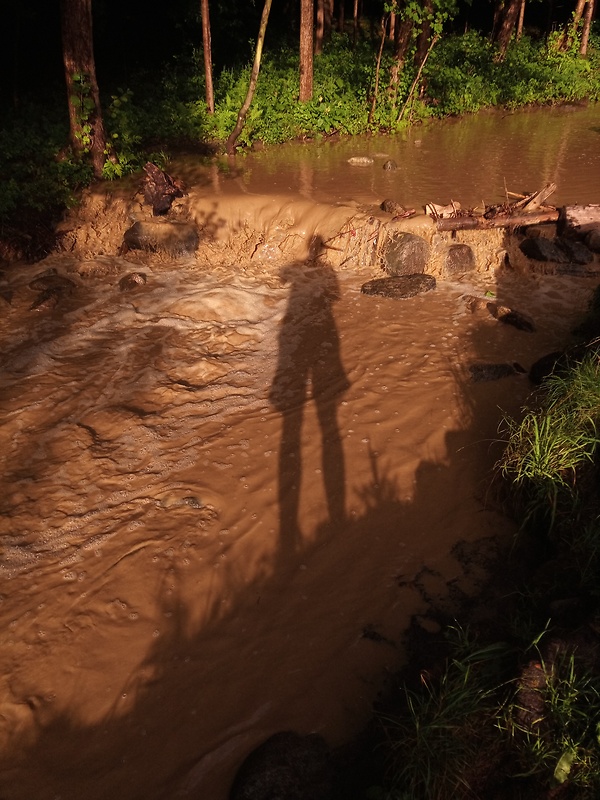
[[309, 367]]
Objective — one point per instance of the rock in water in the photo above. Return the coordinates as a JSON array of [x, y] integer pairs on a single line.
[[175, 238], [390, 164], [405, 254], [481, 373], [400, 286], [132, 280], [511, 317], [287, 766], [360, 161]]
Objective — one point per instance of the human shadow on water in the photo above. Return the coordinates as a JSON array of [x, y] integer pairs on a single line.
[[309, 367]]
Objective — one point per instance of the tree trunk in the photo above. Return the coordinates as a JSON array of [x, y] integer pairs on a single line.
[[341, 23], [587, 24], [570, 31], [384, 21], [327, 20], [521, 20], [207, 47], [355, 22], [424, 36], [239, 125], [306, 49], [508, 20], [85, 114], [401, 42], [319, 28]]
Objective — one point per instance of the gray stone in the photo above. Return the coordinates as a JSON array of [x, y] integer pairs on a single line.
[[459, 259], [390, 164], [405, 254], [575, 251], [542, 249], [399, 286], [174, 238], [288, 766], [592, 240], [492, 372]]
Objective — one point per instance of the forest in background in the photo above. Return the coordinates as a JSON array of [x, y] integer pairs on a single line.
[[94, 89]]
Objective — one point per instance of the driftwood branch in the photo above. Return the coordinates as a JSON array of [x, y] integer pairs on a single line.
[[509, 221]]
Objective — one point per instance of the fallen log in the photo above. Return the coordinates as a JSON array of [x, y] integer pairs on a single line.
[[465, 223], [579, 219]]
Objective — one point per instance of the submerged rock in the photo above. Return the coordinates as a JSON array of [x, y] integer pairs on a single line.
[[399, 286], [511, 317], [132, 281], [390, 164], [360, 161], [492, 372], [47, 299], [174, 238]]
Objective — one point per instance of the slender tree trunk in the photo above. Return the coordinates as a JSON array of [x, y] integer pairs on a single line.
[[401, 42], [521, 20], [384, 21], [207, 47], [508, 20], [424, 36], [307, 27], [328, 19], [320, 27], [341, 16], [570, 30], [355, 22], [85, 114], [587, 24], [241, 118], [392, 32]]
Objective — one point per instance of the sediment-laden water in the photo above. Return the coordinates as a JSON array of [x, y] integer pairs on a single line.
[[226, 491]]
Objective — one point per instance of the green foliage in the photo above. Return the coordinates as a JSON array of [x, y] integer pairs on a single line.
[[36, 174], [548, 449], [554, 726], [84, 106], [439, 745]]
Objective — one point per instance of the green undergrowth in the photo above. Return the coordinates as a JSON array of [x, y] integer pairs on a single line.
[[498, 720]]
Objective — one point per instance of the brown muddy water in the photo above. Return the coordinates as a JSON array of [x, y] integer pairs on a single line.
[[226, 492]]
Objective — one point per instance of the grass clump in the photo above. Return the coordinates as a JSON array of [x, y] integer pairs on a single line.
[[551, 452]]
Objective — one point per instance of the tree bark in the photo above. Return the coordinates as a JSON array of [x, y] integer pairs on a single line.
[[424, 36], [241, 118], [587, 24], [319, 28], [207, 48], [570, 31], [341, 22], [306, 49], [401, 41], [85, 114], [508, 20], [384, 21], [480, 223], [521, 20]]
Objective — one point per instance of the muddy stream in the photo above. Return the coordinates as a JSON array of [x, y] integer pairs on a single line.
[[227, 491]]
